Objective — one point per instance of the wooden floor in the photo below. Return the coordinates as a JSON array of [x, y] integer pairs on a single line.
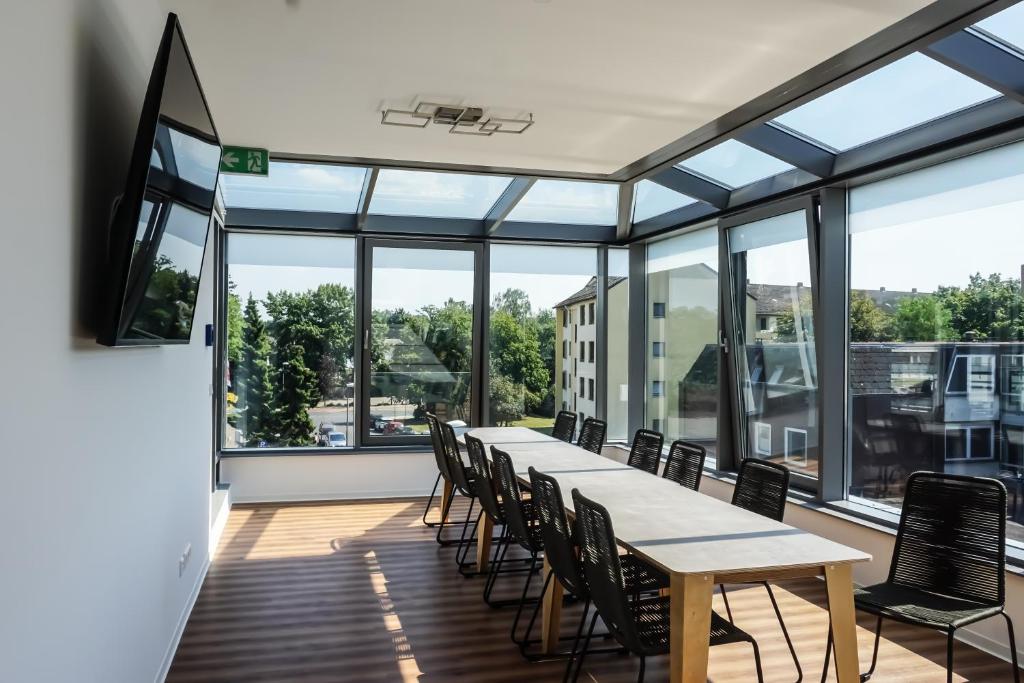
[[360, 592]]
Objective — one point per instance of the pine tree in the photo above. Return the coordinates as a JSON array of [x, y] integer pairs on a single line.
[[255, 391], [295, 396]]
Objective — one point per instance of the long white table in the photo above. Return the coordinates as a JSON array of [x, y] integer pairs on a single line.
[[697, 539]]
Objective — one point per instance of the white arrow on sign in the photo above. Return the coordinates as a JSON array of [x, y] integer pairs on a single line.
[[229, 159]]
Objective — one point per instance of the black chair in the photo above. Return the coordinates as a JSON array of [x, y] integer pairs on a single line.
[[762, 487], [442, 466], [592, 435], [685, 463], [948, 566], [642, 627], [522, 528], [565, 426], [487, 496], [462, 479], [562, 557], [645, 453]]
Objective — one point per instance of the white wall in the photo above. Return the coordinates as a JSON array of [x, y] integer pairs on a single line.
[[105, 454], [328, 477]]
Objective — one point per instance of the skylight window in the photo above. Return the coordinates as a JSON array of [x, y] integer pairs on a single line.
[[570, 202], [734, 164], [439, 195], [901, 95], [297, 187], [1007, 26], [653, 200]]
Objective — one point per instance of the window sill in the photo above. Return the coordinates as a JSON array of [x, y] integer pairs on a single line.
[[411, 449]]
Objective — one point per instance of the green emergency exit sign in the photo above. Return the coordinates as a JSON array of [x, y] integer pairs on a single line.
[[245, 160]]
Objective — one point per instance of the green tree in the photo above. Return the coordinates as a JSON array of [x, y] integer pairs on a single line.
[[516, 354], [252, 378], [234, 326], [507, 400], [988, 308], [923, 318], [868, 322], [515, 302], [296, 393]]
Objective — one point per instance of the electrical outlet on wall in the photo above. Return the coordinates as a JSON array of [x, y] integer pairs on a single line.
[[186, 555]]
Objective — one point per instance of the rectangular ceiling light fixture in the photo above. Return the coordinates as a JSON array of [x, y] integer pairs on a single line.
[[459, 119]]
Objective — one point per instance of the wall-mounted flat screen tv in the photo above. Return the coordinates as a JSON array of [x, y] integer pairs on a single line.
[[159, 232]]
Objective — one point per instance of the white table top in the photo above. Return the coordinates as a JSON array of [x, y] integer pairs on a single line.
[[678, 529]]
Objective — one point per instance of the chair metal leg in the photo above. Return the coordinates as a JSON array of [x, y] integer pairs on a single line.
[[785, 633], [949, 655], [576, 641], [757, 660], [874, 652], [525, 642], [430, 501], [586, 644], [643, 665], [828, 653], [1013, 648], [725, 599], [446, 542], [522, 600], [499, 557]]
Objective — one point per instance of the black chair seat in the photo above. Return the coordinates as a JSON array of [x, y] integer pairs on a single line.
[[652, 616], [640, 576], [922, 607]]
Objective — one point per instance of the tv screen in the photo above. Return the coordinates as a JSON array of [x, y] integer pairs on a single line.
[[159, 232]]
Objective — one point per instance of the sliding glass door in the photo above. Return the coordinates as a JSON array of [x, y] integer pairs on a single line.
[[774, 364], [422, 320]]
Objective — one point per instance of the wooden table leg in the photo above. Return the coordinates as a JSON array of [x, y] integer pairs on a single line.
[[691, 627], [551, 620], [839, 586], [483, 542], [446, 495]]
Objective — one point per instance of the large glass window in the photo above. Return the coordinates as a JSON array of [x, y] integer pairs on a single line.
[[442, 195], [937, 326], [682, 332], [653, 200], [734, 164], [1007, 26], [420, 350], [297, 187], [567, 201], [290, 332], [533, 289], [908, 92], [776, 366], [618, 345]]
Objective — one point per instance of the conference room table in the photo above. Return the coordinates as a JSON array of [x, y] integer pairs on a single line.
[[698, 540]]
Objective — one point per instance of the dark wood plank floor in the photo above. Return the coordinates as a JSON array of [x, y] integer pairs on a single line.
[[360, 592]]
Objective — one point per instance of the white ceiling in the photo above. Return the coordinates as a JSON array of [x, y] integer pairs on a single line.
[[608, 81]]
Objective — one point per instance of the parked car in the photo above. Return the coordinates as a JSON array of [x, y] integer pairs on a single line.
[[337, 440], [392, 427], [374, 420], [405, 430]]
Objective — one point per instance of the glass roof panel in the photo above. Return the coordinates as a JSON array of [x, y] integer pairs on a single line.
[[735, 164], [567, 201], [653, 200], [1007, 25], [438, 195], [901, 95], [298, 187]]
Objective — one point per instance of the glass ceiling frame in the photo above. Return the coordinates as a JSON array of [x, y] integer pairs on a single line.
[[968, 51]]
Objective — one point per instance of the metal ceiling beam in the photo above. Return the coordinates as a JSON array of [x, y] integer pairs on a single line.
[[625, 215], [979, 58], [693, 186], [790, 148], [366, 196], [515, 191]]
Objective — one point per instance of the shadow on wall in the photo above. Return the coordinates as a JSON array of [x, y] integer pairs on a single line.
[[106, 116]]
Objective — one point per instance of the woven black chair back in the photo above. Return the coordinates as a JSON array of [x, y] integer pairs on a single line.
[[483, 484], [456, 468], [565, 426], [952, 537], [559, 545], [761, 487], [437, 443], [601, 567], [645, 453], [685, 463], [592, 434], [517, 519]]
